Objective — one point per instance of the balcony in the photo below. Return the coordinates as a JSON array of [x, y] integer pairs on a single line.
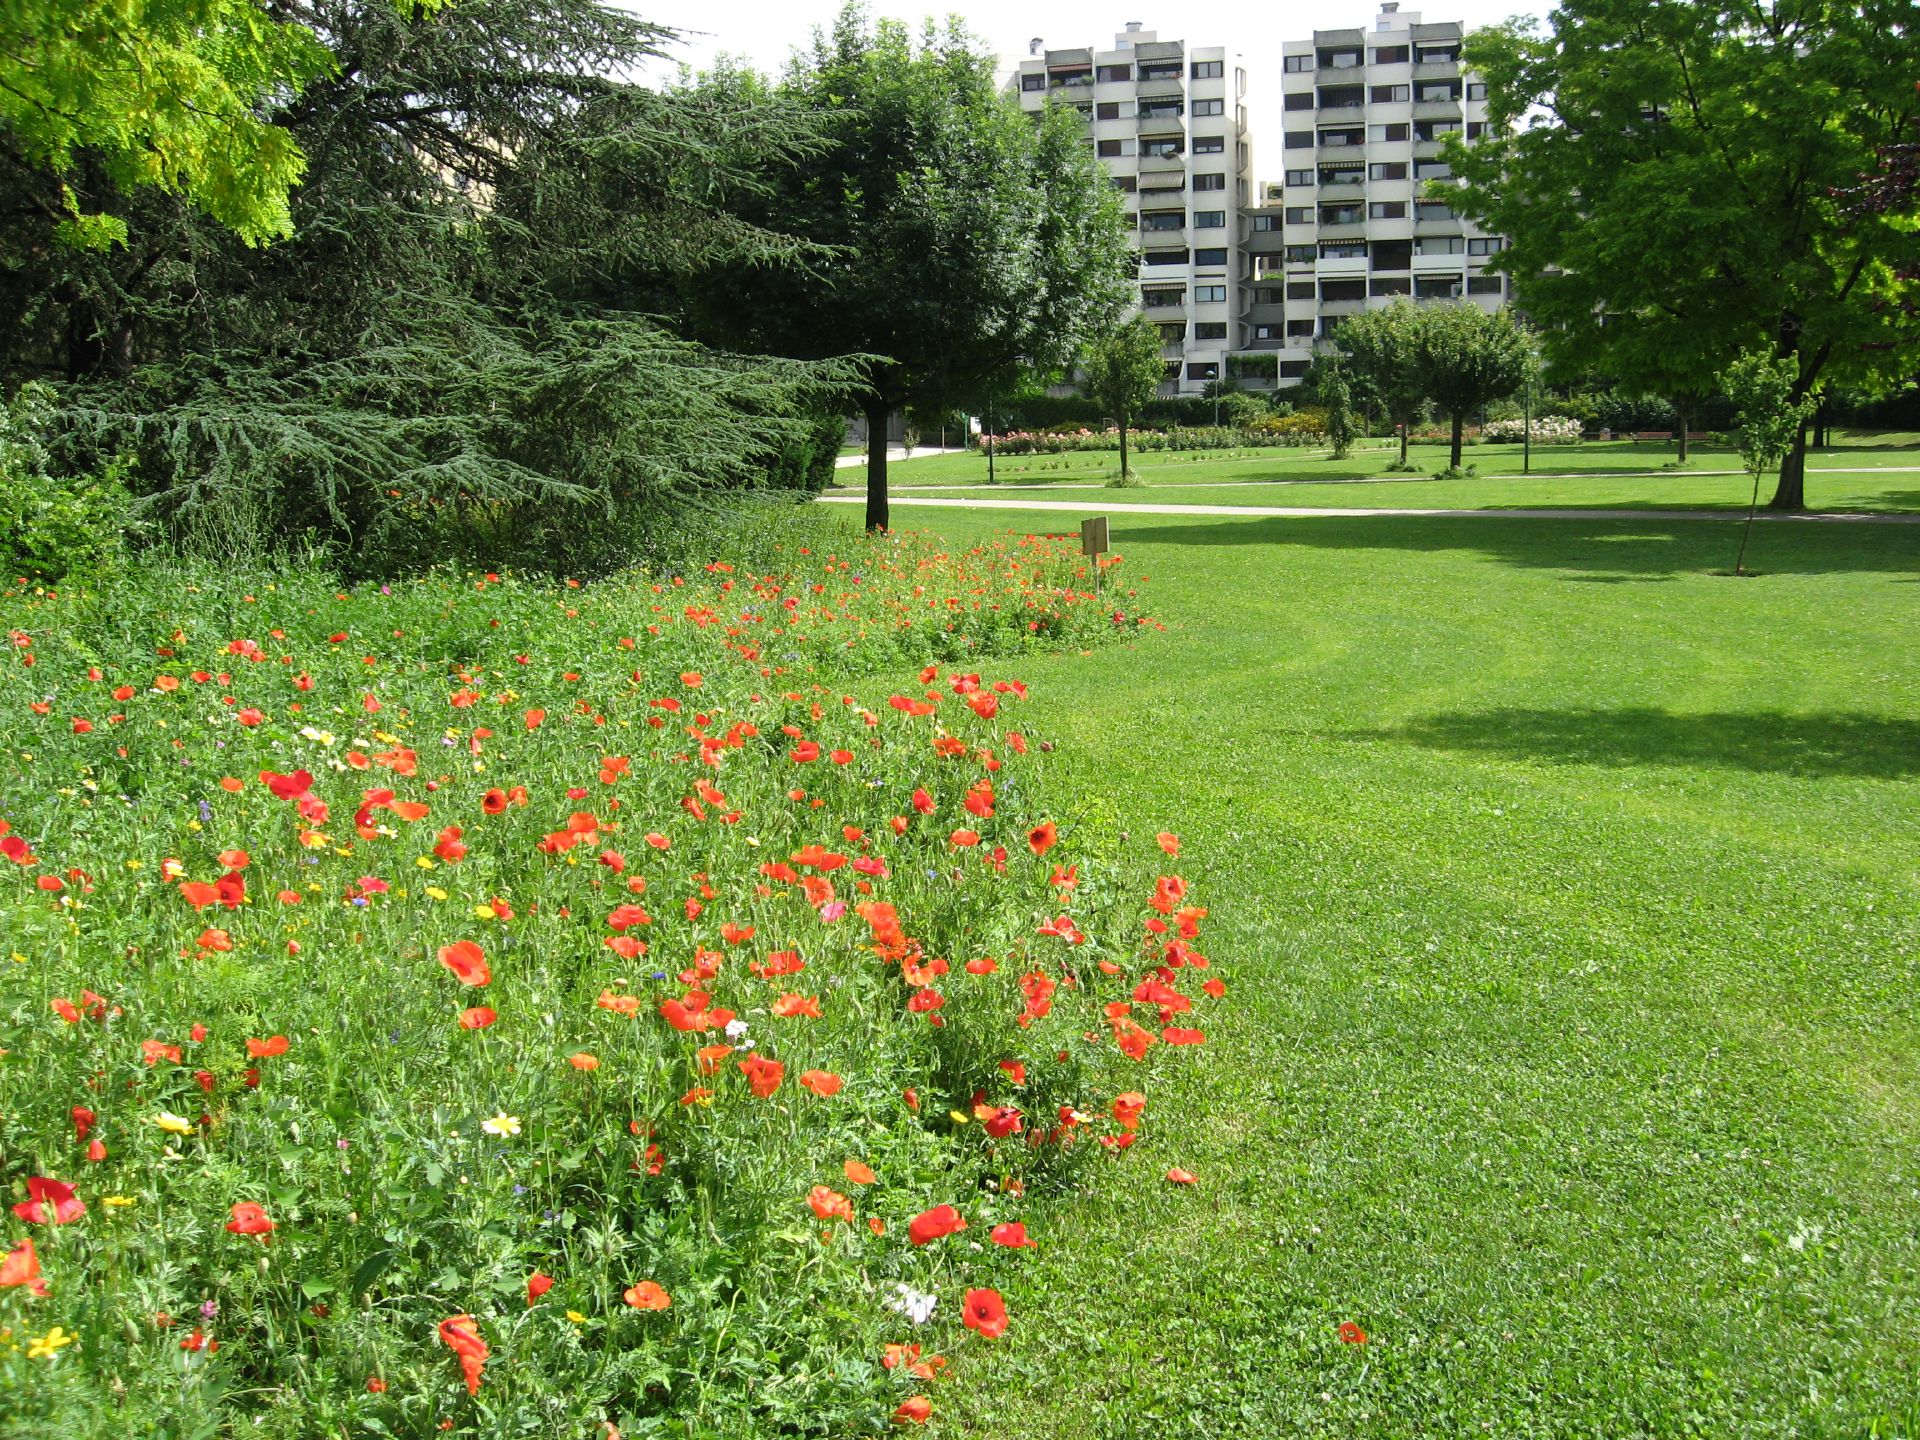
[[1355, 229], [1151, 90], [1342, 307], [1341, 189], [1429, 149], [1163, 164], [1435, 70], [1167, 122], [1342, 107], [1437, 110], [1163, 239]]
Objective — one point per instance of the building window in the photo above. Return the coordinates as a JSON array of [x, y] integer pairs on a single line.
[[1391, 55], [1476, 91], [1299, 215], [1485, 284], [1033, 82], [1388, 94], [1388, 132], [1108, 149], [1107, 110], [1210, 182], [1268, 295], [1173, 334], [1300, 100], [1299, 290], [1162, 70], [1211, 258], [1203, 370], [1209, 144], [1203, 294], [1210, 330], [1492, 245], [1300, 254], [1344, 250], [1299, 140], [1334, 139], [1436, 54], [1342, 97], [1125, 183], [1387, 210], [1266, 222], [1475, 129], [1300, 327], [1348, 174], [1208, 69], [1161, 299], [1110, 73], [1388, 170], [1339, 59], [1436, 287], [1209, 107], [1430, 130], [1439, 92], [1209, 219], [1392, 255], [1163, 220], [1432, 210], [1391, 285], [1266, 332], [1339, 214], [1297, 64], [1160, 109], [1432, 170], [1161, 149], [1335, 291], [1439, 245], [1293, 369], [1163, 257], [1299, 177]]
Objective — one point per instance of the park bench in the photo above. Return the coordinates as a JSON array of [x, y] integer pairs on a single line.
[[1640, 435]]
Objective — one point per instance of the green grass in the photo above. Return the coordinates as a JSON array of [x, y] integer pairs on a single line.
[[1613, 475], [1569, 893]]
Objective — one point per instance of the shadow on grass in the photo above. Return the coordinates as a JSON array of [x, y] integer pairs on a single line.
[[1824, 744], [1620, 550]]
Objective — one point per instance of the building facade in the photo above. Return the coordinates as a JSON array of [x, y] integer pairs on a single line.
[[1364, 116], [1169, 122]]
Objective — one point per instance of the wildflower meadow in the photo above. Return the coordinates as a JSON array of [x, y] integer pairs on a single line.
[[660, 1005]]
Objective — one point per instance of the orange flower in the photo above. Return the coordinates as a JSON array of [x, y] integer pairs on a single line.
[[249, 1219], [537, 1285], [932, 1224], [1169, 842], [1182, 1177], [467, 962], [1127, 1108], [1041, 838], [21, 1266], [712, 1057], [763, 1075], [268, 1048], [461, 1334], [1012, 1234], [790, 1006], [478, 1017], [915, 1410], [584, 1061], [858, 1173], [1352, 1334], [830, 1204], [648, 1296], [823, 1083], [985, 1311]]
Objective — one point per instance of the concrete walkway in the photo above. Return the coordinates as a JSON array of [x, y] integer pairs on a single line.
[[894, 452], [1311, 512]]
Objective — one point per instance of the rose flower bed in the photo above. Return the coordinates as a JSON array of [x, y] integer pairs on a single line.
[[499, 1007]]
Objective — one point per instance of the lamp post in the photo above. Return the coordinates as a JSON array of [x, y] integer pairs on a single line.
[[1526, 426], [990, 479]]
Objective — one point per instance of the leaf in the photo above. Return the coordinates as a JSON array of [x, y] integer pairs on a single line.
[[371, 1269]]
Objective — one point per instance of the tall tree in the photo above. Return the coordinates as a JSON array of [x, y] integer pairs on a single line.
[[166, 93], [967, 241], [1121, 372], [1383, 358], [1667, 176], [1469, 357]]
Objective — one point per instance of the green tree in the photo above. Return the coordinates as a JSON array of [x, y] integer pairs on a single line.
[[1335, 396], [167, 93], [1761, 387], [1469, 357], [1668, 180], [1383, 357], [1122, 371], [966, 240]]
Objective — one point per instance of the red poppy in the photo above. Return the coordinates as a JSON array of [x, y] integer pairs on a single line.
[[830, 1204], [1012, 1234], [1169, 842], [461, 1334], [83, 1121], [928, 1225], [1015, 1071], [1182, 1177], [985, 1311], [791, 1006], [763, 1075], [154, 1051], [584, 1061], [1041, 838], [477, 1017], [467, 962], [1127, 1108], [494, 801], [21, 1266], [647, 1295], [1352, 1333], [537, 1285], [49, 1202], [915, 1410], [268, 1048], [1002, 1122], [249, 1219], [823, 1083], [858, 1173]]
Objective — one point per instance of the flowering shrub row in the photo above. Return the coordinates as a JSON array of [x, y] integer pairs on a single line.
[[1547, 430], [1297, 429], [480, 1006]]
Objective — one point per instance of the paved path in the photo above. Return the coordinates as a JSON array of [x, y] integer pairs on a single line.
[[894, 452], [1309, 512], [1396, 479]]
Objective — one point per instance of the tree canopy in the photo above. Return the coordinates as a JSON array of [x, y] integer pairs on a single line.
[[1121, 371], [1468, 357], [1671, 180], [961, 241]]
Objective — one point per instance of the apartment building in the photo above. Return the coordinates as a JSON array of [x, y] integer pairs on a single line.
[[1170, 124], [1364, 116]]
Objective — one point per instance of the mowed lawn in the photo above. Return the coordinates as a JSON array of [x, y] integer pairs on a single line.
[[1568, 895], [1879, 473]]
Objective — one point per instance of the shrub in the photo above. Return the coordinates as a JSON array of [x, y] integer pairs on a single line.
[[1547, 430], [407, 972], [52, 525]]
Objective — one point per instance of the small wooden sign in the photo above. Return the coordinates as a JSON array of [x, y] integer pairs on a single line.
[[1093, 536]]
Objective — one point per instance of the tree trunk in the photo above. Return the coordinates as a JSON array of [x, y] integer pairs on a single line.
[[1820, 425], [1459, 425], [1405, 426], [1685, 417], [1123, 447], [875, 409], [1791, 493]]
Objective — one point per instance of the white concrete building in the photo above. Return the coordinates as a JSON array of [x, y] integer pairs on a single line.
[[1348, 225], [1169, 122]]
